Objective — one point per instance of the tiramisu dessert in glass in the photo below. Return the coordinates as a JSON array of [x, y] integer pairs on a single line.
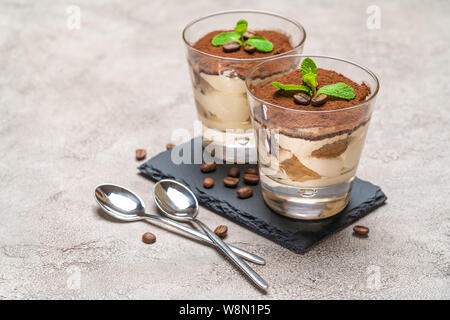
[[310, 121], [221, 49]]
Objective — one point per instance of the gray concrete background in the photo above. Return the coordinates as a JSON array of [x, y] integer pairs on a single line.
[[75, 104]]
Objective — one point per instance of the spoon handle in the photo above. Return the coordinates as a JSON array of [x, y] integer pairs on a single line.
[[201, 236], [260, 282]]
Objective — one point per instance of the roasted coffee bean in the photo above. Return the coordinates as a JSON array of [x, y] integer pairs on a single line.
[[361, 230], [252, 171], [208, 167], [251, 178], [248, 34], [141, 154], [148, 238], [244, 192], [208, 182], [302, 98], [170, 146], [319, 100], [231, 46], [221, 231], [234, 172], [230, 182], [249, 49]]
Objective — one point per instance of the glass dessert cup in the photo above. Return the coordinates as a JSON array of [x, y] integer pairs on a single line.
[[308, 159], [219, 82]]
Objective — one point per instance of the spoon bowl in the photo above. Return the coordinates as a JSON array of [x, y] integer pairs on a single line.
[[175, 200], [119, 202]]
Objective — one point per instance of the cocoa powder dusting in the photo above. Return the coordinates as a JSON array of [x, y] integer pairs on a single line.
[[324, 77], [280, 42], [326, 124], [201, 63]]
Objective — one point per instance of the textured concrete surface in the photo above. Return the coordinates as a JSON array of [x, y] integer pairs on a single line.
[[75, 104]]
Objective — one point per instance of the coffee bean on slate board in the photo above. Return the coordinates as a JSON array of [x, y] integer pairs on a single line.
[[302, 98], [148, 238], [361, 230], [208, 182], [230, 182], [231, 46], [319, 100], [170, 146], [221, 231], [208, 167], [244, 192], [251, 178], [252, 171], [141, 154], [234, 172]]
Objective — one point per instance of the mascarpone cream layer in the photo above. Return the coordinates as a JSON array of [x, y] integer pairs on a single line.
[[326, 171], [224, 84], [224, 102]]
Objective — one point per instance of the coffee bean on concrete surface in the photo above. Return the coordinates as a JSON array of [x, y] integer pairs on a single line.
[[148, 238], [221, 231], [141, 154], [361, 230]]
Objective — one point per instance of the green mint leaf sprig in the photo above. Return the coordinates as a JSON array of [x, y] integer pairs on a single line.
[[225, 37], [338, 90], [309, 77], [241, 27], [309, 74], [291, 87], [311, 81], [261, 44], [308, 66]]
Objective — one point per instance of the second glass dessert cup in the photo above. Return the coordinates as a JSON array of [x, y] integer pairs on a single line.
[[219, 82], [308, 159]]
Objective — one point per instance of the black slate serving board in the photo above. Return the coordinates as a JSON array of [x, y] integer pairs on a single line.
[[253, 213]]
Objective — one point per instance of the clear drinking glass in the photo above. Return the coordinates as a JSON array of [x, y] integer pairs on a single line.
[[308, 159], [219, 82]]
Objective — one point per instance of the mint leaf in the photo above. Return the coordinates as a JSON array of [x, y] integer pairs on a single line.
[[225, 37], [241, 27], [291, 87], [260, 43], [309, 73], [308, 66], [338, 90], [311, 81]]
